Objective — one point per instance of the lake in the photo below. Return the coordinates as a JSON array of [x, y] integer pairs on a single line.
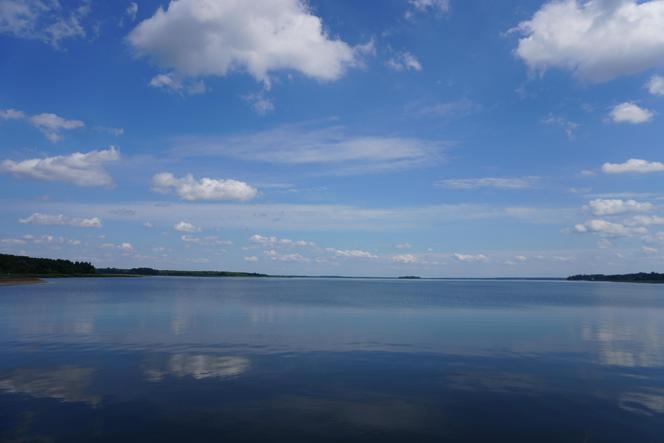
[[314, 360]]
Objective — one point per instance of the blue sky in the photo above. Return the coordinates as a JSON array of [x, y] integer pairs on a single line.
[[379, 138]]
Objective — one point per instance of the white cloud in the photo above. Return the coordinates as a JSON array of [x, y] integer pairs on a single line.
[[175, 83], [629, 112], [201, 37], [470, 258], [206, 188], [403, 246], [273, 241], [251, 259], [488, 182], [331, 147], [43, 20], [124, 246], [646, 220], [186, 227], [649, 250], [404, 258], [259, 103], [211, 240], [82, 169], [11, 114], [351, 253], [403, 61], [305, 217], [633, 165], [61, 220], [51, 125], [132, 10], [438, 6], [656, 85], [609, 229], [40, 240], [597, 40], [602, 206], [293, 257], [568, 126]]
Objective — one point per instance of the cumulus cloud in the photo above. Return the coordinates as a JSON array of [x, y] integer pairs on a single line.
[[403, 246], [656, 85], [82, 169], [51, 125], [404, 258], [257, 37], [470, 258], [608, 229], [646, 220], [629, 112], [597, 40], [60, 220], [251, 259], [601, 206], [188, 188], [186, 227], [633, 165], [488, 182], [404, 61], [44, 20]]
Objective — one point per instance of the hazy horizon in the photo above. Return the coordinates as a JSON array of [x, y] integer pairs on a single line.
[[404, 137]]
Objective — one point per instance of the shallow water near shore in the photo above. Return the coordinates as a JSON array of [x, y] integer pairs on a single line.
[[227, 359]]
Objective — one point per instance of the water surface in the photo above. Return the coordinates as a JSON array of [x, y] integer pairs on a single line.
[[224, 359]]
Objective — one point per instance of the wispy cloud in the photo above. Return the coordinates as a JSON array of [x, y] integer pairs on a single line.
[[331, 148], [488, 182], [60, 220]]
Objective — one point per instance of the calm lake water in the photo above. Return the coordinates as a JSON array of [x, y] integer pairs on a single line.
[[195, 359]]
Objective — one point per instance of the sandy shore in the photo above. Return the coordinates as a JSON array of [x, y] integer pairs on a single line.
[[19, 281]]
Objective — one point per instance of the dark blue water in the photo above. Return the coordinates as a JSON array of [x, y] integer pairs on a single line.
[[189, 359]]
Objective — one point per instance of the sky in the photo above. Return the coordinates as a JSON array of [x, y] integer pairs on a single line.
[[436, 138]]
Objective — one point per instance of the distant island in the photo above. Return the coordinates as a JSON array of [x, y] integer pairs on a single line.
[[640, 277], [409, 277]]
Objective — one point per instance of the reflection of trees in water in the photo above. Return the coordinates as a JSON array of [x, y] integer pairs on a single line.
[[64, 383], [198, 366]]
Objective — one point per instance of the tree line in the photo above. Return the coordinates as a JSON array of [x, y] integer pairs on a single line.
[[22, 265]]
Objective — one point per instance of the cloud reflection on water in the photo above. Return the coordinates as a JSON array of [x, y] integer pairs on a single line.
[[64, 383], [198, 366]]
